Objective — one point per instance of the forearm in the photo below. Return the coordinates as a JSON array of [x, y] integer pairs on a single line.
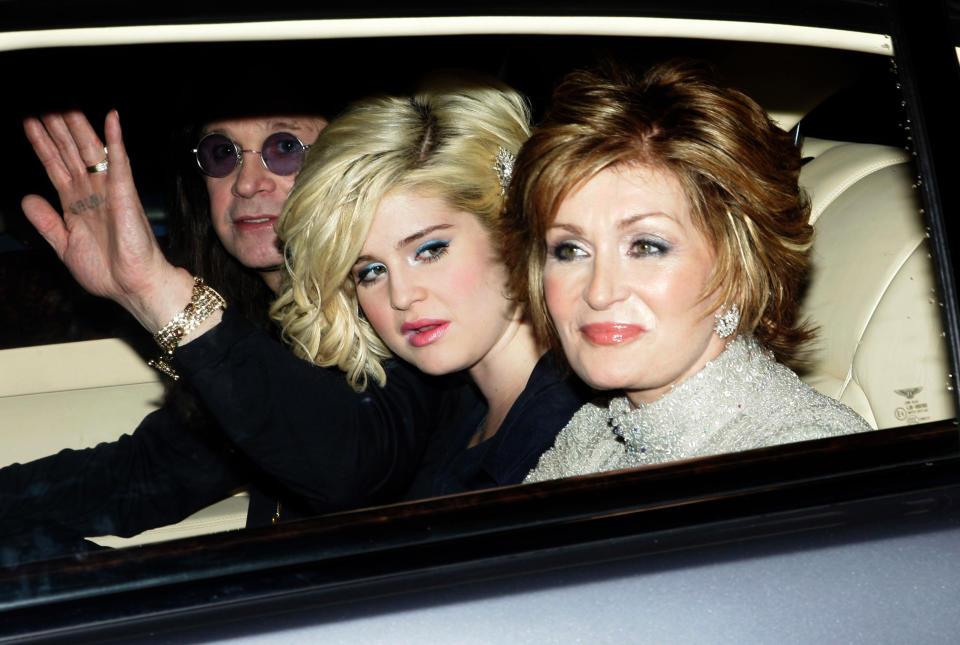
[[156, 476], [303, 424]]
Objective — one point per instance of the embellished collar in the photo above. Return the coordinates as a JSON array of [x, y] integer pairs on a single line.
[[691, 412]]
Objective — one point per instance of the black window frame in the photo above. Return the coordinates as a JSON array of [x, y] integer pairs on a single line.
[[904, 479]]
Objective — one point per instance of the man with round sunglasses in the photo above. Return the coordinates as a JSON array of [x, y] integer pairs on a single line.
[[200, 445], [249, 166]]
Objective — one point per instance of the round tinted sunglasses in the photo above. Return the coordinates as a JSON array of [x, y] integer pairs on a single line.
[[218, 156]]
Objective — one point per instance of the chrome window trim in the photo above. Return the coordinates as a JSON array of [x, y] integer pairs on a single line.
[[456, 25]]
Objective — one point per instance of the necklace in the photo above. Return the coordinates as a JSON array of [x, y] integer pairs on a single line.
[[631, 437]]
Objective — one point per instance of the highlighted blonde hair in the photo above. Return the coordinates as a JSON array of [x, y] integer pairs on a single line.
[[738, 170], [444, 140]]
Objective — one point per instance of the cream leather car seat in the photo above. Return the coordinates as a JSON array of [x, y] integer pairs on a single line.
[[881, 348]]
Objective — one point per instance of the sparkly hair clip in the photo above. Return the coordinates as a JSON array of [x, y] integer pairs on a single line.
[[504, 167]]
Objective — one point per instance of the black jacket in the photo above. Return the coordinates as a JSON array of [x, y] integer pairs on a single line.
[[291, 431]]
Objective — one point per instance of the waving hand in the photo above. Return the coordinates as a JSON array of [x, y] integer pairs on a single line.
[[102, 234]]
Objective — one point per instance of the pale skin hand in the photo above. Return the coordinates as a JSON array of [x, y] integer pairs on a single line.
[[103, 235]]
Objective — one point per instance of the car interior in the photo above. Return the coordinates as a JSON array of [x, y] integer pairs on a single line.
[[72, 367]]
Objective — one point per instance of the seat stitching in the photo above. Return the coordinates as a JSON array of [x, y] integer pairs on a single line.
[[873, 312], [862, 172]]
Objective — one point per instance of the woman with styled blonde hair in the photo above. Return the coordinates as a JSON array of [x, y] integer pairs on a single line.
[[661, 238], [392, 235], [396, 212]]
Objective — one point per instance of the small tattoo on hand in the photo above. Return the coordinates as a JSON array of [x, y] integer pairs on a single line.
[[88, 204]]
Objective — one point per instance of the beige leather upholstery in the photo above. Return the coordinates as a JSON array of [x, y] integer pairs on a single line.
[[76, 395], [71, 395], [881, 348]]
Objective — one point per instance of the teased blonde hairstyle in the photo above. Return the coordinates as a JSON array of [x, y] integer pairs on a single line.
[[445, 140], [738, 170]]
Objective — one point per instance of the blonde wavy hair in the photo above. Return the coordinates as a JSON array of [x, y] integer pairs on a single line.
[[445, 139]]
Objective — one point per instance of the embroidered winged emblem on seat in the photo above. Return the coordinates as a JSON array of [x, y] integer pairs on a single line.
[[908, 392]]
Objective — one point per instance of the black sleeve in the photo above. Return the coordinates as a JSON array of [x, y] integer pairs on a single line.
[[303, 424], [158, 475]]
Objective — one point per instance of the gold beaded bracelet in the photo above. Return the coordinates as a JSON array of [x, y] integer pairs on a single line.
[[204, 302]]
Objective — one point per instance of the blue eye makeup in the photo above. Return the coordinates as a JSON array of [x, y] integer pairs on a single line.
[[432, 250], [369, 274]]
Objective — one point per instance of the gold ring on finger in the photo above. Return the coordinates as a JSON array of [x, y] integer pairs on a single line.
[[98, 167]]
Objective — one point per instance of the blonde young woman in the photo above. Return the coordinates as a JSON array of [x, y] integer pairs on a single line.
[[428, 171], [663, 239], [392, 244]]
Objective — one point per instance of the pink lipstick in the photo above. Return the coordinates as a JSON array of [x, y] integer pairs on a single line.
[[611, 333], [425, 331]]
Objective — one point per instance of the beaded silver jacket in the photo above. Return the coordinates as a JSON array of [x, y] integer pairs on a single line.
[[743, 399]]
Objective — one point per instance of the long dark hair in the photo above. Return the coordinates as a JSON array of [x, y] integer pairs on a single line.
[[192, 243]]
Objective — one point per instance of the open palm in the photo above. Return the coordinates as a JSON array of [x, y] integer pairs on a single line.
[[102, 234]]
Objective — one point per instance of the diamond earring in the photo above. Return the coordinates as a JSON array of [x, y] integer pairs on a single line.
[[727, 321]]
